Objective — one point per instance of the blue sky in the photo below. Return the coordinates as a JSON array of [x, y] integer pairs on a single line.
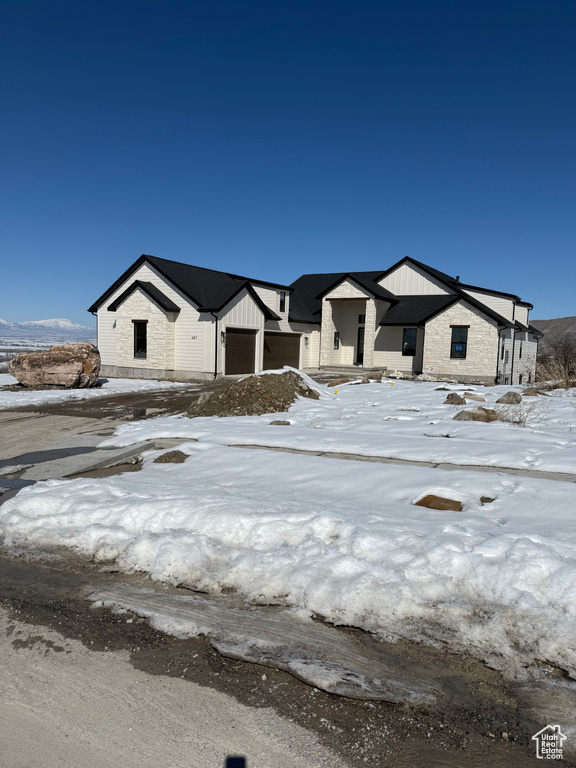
[[274, 139]]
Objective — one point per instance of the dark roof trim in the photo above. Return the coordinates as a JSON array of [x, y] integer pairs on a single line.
[[295, 319], [489, 290], [266, 311], [526, 304], [376, 291], [535, 332], [122, 279], [442, 277], [151, 291]]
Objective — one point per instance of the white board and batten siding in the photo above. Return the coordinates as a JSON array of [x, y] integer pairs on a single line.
[[409, 280], [521, 314], [189, 330], [500, 304], [271, 297]]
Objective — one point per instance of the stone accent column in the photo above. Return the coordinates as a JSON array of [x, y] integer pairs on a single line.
[[326, 333], [369, 333]]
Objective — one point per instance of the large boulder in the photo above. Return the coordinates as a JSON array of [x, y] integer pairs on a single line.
[[69, 365], [510, 398], [478, 414], [454, 399]]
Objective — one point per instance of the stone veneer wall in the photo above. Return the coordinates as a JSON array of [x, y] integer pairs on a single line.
[[480, 360], [160, 334]]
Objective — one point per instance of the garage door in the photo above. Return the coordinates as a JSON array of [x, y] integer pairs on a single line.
[[281, 349], [240, 350]]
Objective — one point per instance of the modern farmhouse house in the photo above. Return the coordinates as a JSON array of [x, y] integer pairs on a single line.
[[165, 319]]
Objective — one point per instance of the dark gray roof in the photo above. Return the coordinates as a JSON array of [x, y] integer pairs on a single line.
[[209, 289], [306, 299], [416, 310], [150, 290]]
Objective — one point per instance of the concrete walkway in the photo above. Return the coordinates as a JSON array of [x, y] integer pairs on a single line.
[[559, 476]]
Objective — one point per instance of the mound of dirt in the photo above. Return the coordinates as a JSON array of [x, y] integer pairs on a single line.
[[254, 396]]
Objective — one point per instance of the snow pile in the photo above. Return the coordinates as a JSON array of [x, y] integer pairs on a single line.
[[341, 540]]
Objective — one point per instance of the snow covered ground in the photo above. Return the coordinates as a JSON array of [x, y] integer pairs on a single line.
[[400, 420], [343, 540], [44, 397]]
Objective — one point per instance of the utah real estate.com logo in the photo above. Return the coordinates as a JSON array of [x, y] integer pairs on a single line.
[[549, 743]]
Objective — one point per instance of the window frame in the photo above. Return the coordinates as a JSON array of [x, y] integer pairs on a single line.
[[140, 325], [459, 330], [282, 302], [336, 340], [409, 351]]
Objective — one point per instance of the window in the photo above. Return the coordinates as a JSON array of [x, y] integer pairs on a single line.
[[520, 351], [409, 342], [336, 340], [140, 341], [503, 340], [459, 342], [282, 302], [361, 319], [506, 356], [520, 379]]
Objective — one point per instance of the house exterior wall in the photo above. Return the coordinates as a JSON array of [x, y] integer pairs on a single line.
[[309, 350], [388, 349], [271, 297], [480, 361], [499, 304], [521, 314], [525, 350], [159, 333], [189, 329], [409, 280], [506, 355]]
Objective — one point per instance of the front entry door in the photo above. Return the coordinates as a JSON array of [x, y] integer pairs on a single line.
[[360, 346]]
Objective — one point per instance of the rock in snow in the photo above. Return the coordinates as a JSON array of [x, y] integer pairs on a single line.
[[69, 365]]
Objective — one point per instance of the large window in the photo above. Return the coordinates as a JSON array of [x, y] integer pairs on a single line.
[[459, 341], [409, 342], [140, 338]]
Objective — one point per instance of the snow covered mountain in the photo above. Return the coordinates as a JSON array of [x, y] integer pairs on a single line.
[[43, 333]]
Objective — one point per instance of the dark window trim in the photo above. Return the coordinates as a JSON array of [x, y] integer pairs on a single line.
[[282, 301], [409, 351], [140, 353], [336, 340], [459, 347]]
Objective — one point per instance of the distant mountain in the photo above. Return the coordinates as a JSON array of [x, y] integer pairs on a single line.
[[43, 333], [555, 329]]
